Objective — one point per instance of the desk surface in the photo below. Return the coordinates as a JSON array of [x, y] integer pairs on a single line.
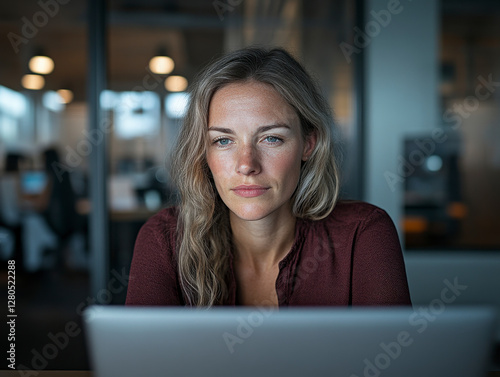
[[86, 373]]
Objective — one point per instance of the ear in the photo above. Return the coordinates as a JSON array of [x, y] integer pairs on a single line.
[[309, 145]]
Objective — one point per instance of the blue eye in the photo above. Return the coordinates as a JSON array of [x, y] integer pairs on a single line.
[[272, 139], [222, 141]]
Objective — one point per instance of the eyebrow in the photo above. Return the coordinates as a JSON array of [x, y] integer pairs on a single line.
[[259, 130]]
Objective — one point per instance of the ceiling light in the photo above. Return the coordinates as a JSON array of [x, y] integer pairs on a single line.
[[66, 95], [41, 64], [176, 83], [161, 65], [33, 82]]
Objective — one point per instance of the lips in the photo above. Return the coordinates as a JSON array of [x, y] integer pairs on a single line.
[[250, 191]]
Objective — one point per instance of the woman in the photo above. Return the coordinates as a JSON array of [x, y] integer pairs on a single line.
[[258, 222]]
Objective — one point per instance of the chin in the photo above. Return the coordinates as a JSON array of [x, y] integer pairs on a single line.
[[252, 212], [249, 214]]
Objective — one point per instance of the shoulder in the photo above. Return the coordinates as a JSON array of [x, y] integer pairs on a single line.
[[153, 272], [349, 225], [165, 219], [355, 209], [350, 213], [159, 231]]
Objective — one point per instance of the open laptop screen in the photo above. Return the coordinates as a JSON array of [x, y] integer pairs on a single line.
[[380, 342]]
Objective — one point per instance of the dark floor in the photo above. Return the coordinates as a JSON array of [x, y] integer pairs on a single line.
[[49, 305], [49, 330], [46, 308]]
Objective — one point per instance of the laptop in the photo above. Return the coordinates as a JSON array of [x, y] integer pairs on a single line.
[[260, 342]]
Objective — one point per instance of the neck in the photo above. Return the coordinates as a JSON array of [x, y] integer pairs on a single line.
[[262, 244]]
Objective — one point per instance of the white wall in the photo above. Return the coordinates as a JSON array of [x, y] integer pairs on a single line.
[[402, 99], [401, 91]]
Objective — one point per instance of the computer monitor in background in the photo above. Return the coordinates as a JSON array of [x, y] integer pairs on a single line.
[[33, 182]]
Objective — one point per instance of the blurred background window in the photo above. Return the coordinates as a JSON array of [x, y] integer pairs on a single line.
[[451, 191]]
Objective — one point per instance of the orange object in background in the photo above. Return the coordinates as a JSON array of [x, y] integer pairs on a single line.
[[415, 224], [456, 210]]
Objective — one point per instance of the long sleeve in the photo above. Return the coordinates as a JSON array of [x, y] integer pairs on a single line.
[[153, 278], [378, 271]]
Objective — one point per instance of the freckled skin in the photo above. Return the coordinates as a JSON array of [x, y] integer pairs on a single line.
[[241, 152]]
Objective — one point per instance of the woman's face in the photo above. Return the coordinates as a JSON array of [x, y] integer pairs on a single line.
[[255, 149]]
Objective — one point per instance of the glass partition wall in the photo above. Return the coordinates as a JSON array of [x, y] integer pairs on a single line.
[[44, 202], [47, 146]]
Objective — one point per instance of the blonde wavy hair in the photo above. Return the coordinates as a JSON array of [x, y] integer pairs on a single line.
[[203, 229]]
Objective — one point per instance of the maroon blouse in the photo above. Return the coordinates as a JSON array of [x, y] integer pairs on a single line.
[[352, 257]]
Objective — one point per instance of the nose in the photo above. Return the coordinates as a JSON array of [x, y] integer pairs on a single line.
[[248, 161]]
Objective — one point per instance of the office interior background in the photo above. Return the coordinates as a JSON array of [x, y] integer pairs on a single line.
[[92, 95]]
